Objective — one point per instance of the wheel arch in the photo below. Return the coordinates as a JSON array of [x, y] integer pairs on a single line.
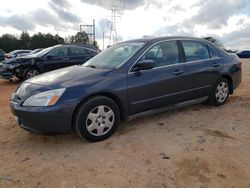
[[230, 80], [105, 94]]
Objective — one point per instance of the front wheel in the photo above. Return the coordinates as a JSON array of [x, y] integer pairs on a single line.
[[30, 72], [97, 118], [220, 92]]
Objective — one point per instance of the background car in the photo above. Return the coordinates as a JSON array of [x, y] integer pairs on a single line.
[[244, 54], [123, 81], [3, 55], [15, 53], [49, 59], [30, 53]]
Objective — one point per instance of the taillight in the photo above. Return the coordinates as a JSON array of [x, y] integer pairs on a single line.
[[239, 64]]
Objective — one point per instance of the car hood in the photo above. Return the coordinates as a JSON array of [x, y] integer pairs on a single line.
[[69, 77], [18, 59], [9, 61]]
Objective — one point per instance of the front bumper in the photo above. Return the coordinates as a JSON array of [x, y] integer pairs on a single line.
[[6, 74], [46, 120]]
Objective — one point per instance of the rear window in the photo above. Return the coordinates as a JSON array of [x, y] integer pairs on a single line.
[[195, 50]]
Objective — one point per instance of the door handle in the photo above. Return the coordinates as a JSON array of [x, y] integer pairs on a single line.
[[178, 72], [65, 59], [215, 64]]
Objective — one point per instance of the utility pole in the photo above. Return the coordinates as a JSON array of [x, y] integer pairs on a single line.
[[89, 29], [103, 41]]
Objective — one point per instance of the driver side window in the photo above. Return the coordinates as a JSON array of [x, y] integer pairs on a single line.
[[58, 52], [164, 53]]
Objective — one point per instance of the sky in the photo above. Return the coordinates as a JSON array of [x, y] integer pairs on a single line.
[[226, 20]]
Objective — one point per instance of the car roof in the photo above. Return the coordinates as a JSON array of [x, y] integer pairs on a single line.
[[156, 39], [81, 45]]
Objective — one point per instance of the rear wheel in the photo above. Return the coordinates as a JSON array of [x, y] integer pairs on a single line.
[[97, 119], [220, 92], [30, 72]]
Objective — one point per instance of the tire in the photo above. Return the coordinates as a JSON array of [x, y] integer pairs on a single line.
[[97, 119], [19, 77], [30, 72], [220, 92]]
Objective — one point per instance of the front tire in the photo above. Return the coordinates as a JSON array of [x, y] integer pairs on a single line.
[[97, 118], [30, 72], [220, 92]]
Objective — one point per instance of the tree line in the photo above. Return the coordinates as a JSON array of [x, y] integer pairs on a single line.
[[10, 42]]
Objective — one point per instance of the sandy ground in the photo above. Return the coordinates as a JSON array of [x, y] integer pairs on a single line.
[[197, 146]]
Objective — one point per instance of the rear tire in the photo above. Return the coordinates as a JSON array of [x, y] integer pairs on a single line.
[[97, 118], [30, 73], [220, 92]]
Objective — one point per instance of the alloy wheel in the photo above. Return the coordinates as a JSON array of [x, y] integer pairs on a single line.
[[222, 91], [31, 73], [100, 120]]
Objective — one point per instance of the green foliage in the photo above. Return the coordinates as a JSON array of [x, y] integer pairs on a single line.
[[81, 38], [9, 42]]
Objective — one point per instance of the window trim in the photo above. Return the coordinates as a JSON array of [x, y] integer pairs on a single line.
[[77, 47], [184, 54], [57, 49], [167, 40]]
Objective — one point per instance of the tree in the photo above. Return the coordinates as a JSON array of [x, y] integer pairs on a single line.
[[96, 45], [9, 42], [25, 40], [81, 38], [40, 40]]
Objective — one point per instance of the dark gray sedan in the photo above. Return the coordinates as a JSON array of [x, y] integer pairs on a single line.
[[125, 80]]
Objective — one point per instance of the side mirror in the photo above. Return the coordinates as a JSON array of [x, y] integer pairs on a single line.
[[144, 65], [49, 57]]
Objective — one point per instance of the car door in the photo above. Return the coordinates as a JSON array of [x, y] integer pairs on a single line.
[[79, 55], [163, 85], [56, 59], [202, 68]]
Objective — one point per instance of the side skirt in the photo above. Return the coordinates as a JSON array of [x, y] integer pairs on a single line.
[[171, 107]]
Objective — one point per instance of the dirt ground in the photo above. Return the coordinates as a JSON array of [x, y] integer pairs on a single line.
[[197, 146]]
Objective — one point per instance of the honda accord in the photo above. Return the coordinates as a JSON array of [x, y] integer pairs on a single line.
[[127, 79]]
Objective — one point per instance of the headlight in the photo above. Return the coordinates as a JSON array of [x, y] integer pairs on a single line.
[[47, 98], [11, 66]]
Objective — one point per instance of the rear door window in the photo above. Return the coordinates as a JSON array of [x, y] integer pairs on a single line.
[[195, 50], [74, 51], [213, 54]]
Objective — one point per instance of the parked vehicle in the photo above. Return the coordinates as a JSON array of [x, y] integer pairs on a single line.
[[244, 54], [49, 59], [15, 53], [125, 80], [30, 53], [3, 55]]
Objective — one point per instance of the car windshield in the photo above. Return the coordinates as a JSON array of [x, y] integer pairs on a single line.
[[115, 56], [43, 52]]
